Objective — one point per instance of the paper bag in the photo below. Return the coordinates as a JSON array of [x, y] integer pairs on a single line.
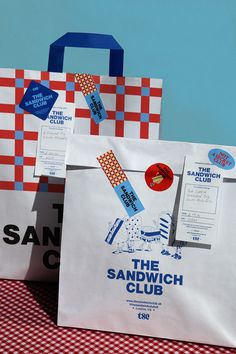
[[120, 273]]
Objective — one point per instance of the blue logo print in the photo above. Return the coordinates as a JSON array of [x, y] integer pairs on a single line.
[[38, 100], [130, 235]]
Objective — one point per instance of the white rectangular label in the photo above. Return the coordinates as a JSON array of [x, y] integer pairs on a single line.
[[199, 202], [53, 135]]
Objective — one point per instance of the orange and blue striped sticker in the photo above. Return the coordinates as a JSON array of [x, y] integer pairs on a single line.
[[120, 183], [92, 97]]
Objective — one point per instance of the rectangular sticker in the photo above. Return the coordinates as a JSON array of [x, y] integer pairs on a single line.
[[53, 135], [38, 100], [114, 231], [199, 203], [92, 97], [120, 183]]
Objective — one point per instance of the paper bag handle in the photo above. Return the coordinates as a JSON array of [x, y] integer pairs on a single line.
[[86, 40]]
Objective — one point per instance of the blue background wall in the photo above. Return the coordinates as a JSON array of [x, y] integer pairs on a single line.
[[191, 44]]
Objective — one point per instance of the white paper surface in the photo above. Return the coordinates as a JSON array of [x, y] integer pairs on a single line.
[[202, 309], [31, 226], [199, 202], [138, 155], [53, 135]]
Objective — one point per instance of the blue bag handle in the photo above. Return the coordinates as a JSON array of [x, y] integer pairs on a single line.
[[86, 40]]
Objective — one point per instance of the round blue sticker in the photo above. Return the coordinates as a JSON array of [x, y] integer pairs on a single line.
[[221, 159]]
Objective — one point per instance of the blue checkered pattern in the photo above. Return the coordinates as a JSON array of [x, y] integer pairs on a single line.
[[120, 115], [19, 160], [144, 117], [120, 89], [19, 135], [19, 83]]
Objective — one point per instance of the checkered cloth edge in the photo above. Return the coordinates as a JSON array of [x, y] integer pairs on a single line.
[[28, 316]]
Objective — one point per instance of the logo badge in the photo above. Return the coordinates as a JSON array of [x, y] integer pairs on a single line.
[[38, 100], [221, 159], [159, 177]]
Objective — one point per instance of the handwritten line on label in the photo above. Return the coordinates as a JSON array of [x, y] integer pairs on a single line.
[[92, 97], [120, 183]]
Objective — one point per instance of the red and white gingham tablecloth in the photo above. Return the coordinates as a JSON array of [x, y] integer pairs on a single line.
[[27, 325]]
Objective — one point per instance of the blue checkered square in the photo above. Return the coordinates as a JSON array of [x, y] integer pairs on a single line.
[[145, 91], [19, 135], [45, 83], [43, 187], [19, 110], [19, 186], [19, 83], [70, 86], [120, 116], [19, 160], [120, 89], [144, 117]]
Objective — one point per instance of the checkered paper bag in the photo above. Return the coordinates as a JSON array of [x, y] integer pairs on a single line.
[[31, 207]]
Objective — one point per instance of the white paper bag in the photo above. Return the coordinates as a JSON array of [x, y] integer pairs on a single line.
[[119, 274], [30, 223]]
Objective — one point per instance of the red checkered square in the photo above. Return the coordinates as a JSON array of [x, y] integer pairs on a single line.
[[125, 101]]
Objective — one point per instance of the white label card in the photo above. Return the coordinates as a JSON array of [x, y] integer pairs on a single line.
[[53, 135], [199, 202]]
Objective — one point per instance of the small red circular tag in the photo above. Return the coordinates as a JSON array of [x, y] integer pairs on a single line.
[[159, 177]]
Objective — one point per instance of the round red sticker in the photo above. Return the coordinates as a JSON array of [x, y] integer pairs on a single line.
[[159, 177]]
